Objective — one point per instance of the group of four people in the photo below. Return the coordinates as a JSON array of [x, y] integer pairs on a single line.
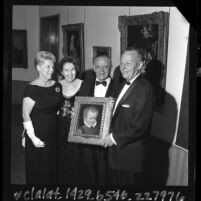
[[51, 159]]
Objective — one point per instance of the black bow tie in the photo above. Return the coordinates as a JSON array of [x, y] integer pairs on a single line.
[[104, 83], [128, 83]]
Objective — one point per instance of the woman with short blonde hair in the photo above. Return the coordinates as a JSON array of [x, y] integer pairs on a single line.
[[41, 101]]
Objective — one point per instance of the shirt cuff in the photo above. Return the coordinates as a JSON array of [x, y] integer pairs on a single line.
[[111, 136]]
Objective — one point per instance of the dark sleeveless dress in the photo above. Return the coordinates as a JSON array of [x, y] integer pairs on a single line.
[[40, 163], [69, 165]]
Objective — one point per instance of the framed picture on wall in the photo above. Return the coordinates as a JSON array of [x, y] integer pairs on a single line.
[[99, 50], [87, 131], [19, 49], [149, 33], [73, 43]]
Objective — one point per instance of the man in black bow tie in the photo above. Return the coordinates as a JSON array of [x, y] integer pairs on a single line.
[[100, 85], [130, 124]]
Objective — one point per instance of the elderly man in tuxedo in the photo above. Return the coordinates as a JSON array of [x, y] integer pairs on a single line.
[[130, 123], [98, 84]]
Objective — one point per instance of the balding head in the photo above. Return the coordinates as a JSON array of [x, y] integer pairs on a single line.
[[102, 67], [131, 63]]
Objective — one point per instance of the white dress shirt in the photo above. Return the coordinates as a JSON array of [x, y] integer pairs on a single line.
[[123, 91], [100, 90]]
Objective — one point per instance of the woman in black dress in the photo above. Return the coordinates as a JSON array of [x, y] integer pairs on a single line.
[[69, 169], [41, 101]]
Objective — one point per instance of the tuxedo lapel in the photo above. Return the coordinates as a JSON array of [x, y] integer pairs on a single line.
[[126, 94], [92, 88], [109, 89]]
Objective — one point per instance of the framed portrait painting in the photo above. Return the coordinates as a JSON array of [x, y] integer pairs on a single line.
[[19, 49], [149, 33], [73, 43], [91, 121], [100, 51]]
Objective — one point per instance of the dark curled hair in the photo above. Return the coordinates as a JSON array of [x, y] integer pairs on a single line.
[[65, 60]]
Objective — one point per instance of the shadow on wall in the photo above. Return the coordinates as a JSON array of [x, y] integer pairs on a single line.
[[154, 73], [164, 119], [165, 107], [162, 129]]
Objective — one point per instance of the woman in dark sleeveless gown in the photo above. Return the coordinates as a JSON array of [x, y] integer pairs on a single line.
[[69, 169], [41, 122]]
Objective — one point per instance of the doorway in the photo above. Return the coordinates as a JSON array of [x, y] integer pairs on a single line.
[[49, 37]]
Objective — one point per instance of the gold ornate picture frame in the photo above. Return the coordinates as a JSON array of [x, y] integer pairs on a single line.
[[99, 51], [104, 107], [148, 32]]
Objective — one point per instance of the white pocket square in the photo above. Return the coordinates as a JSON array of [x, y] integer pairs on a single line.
[[125, 105]]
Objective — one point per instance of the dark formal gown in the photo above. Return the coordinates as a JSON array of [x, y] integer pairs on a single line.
[[69, 170], [41, 163]]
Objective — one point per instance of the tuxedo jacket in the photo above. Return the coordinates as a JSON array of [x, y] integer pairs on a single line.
[[88, 86], [130, 126], [94, 158]]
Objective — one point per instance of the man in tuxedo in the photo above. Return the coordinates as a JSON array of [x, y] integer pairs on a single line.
[[98, 85], [130, 124]]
